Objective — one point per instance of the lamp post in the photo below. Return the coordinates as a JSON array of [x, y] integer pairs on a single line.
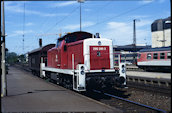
[[80, 1], [134, 40], [3, 76]]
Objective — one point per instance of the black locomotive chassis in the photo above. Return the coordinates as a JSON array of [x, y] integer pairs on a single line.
[[93, 79], [104, 79]]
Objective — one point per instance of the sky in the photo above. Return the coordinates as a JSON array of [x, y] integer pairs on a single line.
[[112, 19]]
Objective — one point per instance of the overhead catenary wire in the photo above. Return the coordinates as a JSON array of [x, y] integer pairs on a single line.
[[121, 14], [102, 8], [101, 22], [62, 19], [44, 21]]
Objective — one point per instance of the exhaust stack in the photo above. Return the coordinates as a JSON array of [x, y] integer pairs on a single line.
[[40, 42]]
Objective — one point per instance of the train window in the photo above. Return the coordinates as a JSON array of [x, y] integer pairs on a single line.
[[168, 55], [33, 60], [149, 56], [162, 55], [138, 56], [155, 56], [58, 43]]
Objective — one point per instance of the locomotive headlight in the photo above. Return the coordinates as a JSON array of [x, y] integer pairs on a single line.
[[82, 68], [123, 66], [123, 69], [82, 72]]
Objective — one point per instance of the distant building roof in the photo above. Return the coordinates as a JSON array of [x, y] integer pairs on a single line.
[[41, 48], [156, 49], [131, 48], [161, 24]]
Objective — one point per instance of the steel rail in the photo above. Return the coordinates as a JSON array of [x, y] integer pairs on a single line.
[[136, 103]]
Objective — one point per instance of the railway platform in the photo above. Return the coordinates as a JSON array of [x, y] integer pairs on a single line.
[[153, 75], [27, 93], [158, 79]]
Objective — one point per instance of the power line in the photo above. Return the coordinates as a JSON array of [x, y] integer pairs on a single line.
[[63, 19], [102, 8], [46, 19], [121, 14]]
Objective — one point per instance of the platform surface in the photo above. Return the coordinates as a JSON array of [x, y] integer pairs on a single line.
[[159, 75], [27, 93]]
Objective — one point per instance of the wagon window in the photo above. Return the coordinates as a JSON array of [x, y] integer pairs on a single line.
[[155, 56], [162, 55], [169, 55], [149, 56], [33, 60]]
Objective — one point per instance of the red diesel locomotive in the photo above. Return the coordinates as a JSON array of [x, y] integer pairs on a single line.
[[81, 60]]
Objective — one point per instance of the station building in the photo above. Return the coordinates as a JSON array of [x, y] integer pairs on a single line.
[[161, 37], [161, 32]]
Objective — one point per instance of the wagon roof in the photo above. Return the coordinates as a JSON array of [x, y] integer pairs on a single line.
[[42, 48], [156, 49]]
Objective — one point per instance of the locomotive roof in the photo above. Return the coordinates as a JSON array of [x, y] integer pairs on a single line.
[[42, 48], [156, 49], [78, 35]]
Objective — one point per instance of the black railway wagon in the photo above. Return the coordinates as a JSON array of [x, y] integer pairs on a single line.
[[35, 57]]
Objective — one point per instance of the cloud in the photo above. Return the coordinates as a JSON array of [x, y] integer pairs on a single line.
[[149, 1], [63, 4], [146, 1], [29, 24], [138, 16], [87, 10], [122, 33], [19, 8], [142, 23], [19, 33], [77, 26], [161, 1]]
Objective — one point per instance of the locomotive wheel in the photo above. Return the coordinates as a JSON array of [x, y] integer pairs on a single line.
[[65, 81]]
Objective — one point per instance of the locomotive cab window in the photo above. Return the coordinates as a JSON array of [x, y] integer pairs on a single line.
[[58, 43], [162, 55], [155, 56], [149, 56]]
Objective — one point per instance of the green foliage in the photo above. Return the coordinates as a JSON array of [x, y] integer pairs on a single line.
[[22, 58], [11, 58]]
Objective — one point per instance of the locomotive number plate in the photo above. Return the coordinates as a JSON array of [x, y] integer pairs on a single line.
[[99, 48]]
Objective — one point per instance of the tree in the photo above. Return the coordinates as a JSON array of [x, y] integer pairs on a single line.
[[11, 57]]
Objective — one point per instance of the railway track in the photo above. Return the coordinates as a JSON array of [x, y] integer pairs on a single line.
[[150, 84], [151, 88], [126, 105]]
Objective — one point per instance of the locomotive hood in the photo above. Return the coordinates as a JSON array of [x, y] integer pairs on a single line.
[[98, 53]]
